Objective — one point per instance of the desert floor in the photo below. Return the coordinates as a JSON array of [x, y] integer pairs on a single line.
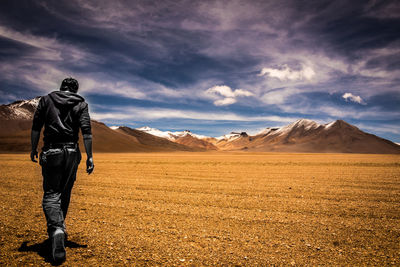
[[211, 209]]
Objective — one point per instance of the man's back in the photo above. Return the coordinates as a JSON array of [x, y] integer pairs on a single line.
[[62, 113]]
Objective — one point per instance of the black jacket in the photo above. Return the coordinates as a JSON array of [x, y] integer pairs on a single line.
[[62, 113]]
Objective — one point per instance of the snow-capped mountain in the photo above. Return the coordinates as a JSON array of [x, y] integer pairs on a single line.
[[228, 137], [308, 136], [268, 130], [300, 136], [176, 135], [170, 135], [186, 138], [22, 109], [304, 124]]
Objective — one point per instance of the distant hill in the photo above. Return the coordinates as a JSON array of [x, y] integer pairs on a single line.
[[308, 136], [300, 136], [16, 123], [155, 142], [186, 138]]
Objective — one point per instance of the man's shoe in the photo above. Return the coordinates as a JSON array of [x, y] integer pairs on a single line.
[[57, 246]]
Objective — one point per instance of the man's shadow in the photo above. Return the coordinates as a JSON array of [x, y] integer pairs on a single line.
[[44, 249]]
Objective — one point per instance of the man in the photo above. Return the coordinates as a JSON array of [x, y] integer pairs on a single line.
[[62, 113]]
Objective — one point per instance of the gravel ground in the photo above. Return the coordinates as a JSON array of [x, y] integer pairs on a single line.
[[181, 209]]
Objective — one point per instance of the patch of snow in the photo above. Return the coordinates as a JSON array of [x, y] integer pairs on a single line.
[[168, 134], [17, 104], [114, 127], [187, 132], [21, 113], [329, 125], [156, 132], [268, 130], [228, 137], [34, 102], [22, 109], [307, 124]]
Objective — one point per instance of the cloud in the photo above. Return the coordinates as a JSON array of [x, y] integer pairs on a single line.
[[226, 91], [380, 128], [225, 101], [279, 96], [166, 113], [285, 73], [229, 95], [329, 107], [47, 48], [353, 98], [377, 10], [45, 77]]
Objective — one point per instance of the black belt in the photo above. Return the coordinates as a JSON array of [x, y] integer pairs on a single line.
[[61, 145]]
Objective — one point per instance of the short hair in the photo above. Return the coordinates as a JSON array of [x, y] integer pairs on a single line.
[[70, 84]]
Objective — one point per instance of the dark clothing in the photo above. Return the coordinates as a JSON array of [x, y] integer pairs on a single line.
[[59, 167], [62, 113]]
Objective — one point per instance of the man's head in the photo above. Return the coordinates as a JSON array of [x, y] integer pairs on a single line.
[[70, 84]]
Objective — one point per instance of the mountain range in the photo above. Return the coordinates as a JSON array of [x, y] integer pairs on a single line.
[[300, 136]]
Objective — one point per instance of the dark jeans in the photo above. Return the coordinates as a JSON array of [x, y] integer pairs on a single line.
[[59, 167]]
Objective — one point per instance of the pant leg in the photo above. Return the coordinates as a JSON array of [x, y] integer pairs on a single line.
[[72, 161], [59, 174], [52, 171], [51, 207]]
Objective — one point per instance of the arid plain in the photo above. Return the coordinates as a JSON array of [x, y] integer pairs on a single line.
[[211, 209]]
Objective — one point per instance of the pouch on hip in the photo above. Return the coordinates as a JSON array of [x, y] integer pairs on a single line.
[[52, 158]]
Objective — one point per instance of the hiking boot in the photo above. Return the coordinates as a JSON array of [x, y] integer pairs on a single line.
[[57, 246]]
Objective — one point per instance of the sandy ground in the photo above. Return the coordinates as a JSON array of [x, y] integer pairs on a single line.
[[211, 209]]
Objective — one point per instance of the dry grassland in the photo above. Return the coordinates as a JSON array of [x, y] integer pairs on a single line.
[[212, 209]]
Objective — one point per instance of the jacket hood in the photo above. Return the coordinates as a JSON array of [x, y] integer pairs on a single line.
[[66, 98]]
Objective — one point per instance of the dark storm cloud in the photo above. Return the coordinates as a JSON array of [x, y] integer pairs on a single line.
[[347, 28], [286, 59]]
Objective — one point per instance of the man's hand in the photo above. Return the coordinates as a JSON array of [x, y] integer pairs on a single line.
[[34, 154], [89, 165]]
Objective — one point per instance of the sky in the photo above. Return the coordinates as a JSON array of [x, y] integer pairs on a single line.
[[212, 66]]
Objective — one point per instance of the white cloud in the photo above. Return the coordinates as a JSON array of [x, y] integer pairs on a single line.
[[225, 101], [229, 95], [380, 128], [165, 113], [49, 49], [45, 77], [285, 73], [227, 91], [353, 98], [240, 92], [279, 96]]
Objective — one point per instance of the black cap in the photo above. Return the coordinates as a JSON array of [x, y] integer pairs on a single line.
[[70, 84]]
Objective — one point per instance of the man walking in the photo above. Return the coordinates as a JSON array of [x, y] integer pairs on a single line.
[[62, 113]]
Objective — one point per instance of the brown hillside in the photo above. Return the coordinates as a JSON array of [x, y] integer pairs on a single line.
[[241, 143], [107, 140], [338, 137], [15, 137], [16, 123], [154, 143], [194, 142]]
